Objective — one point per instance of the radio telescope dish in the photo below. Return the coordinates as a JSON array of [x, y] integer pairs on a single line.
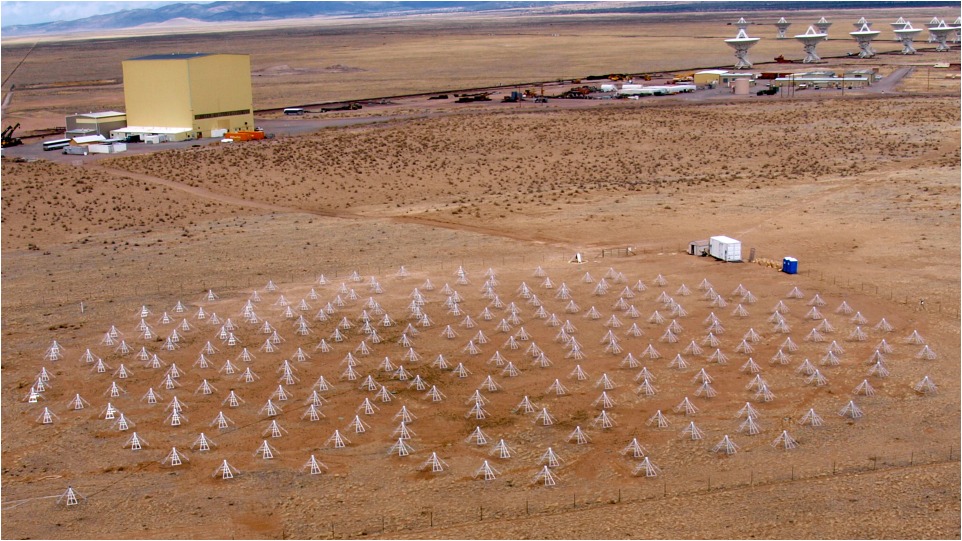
[[940, 34], [742, 24], [742, 43], [907, 36], [810, 40], [858, 24], [782, 26], [864, 36], [934, 23], [899, 25], [822, 25]]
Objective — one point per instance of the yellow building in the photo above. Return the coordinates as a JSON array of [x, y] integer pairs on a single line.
[[187, 96], [707, 77]]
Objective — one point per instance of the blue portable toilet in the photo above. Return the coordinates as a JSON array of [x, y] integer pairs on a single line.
[[790, 265]]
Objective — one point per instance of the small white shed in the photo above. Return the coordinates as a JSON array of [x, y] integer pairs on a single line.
[[725, 248]]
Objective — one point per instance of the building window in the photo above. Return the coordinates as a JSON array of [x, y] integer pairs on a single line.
[[224, 113]]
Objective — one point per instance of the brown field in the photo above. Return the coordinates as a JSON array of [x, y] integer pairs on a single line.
[[335, 60], [863, 189]]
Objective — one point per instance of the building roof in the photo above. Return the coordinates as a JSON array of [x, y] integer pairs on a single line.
[[83, 140], [103, 114], [725, 240], [852, 78], [711, 72], [171, 56], [150, 129]]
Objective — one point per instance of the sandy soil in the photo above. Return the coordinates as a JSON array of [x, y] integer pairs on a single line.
[[870, 206]]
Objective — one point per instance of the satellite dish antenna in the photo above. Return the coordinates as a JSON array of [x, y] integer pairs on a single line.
[[958, 25], [934, 23], [822, 25], [742, 43], [810, 40], [907, 36], [742, 24], [859, 23], [864, 36], [941, 35], [899, 25], [782, 26]]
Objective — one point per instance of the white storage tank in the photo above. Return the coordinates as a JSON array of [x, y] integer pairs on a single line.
[[725, 248]]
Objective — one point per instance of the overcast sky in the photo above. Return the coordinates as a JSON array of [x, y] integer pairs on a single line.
[[42, 11]]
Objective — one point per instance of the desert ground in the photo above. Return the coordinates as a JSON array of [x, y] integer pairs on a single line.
[[327, 249]]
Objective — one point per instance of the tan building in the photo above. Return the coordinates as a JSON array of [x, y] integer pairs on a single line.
[[101, 123], [707, 77], [720, 77], [187, 96]]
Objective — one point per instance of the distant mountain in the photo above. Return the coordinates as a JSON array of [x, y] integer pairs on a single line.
[[755, 6], [218, 12]]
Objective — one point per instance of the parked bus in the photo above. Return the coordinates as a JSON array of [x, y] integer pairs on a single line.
[[56, 144], [294, 111]]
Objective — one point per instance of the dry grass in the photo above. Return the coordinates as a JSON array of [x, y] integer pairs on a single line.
[[463, 167], [46, 203]]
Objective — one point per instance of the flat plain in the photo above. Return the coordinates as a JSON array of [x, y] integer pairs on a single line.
[[863, 188]]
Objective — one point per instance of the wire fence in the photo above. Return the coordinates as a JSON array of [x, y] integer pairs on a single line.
[[562, 499]]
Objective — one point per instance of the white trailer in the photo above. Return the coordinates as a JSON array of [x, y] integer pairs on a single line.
[[111, 148], [75, 150], [725, 248], [675, 89]]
